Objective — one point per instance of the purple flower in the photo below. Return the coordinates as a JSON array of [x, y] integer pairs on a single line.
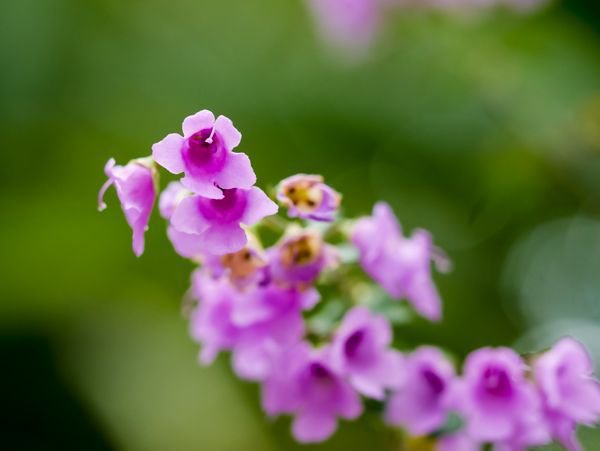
[[300, 258], [136, 189], [569, 391], [349, 24], [254, 324], [185, 244], [211, 323], [304, 384], [400, 265], [423, 404], [360, 350], [217, 222], [495, 397], [204, 154], [307, 197]]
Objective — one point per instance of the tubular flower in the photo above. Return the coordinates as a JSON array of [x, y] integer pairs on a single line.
[[217, 223], [136, 189], [204, 154], [402, 266]]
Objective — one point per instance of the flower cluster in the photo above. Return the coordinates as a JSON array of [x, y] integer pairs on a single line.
[[354, 24], [266, 283]]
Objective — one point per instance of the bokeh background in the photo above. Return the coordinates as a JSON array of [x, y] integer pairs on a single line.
[[483, 128]]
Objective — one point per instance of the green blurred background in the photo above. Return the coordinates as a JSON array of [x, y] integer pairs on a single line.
[[483, 128]]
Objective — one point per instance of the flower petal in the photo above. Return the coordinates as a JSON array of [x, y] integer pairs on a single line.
[[237, 173], [259, 206], [224, 240], [313, 426], [187, 218], [231, 135], [196, 122], [167, 153], [205, 189]]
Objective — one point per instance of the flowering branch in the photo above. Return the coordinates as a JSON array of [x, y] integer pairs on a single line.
[[310, 317]]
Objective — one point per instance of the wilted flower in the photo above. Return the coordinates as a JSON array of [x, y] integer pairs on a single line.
[[495, 397], [402, 266], [306, 196], [300, 257], [303, 384], [204, 154], [136, 189], [423, 404], [217, 222], [569, 391], [361, 351]]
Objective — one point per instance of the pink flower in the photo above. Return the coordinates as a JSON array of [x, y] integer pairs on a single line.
[[217, 223], [570, 393], [348, 24], [307, 197], [402, 266], [136, 189], [494, 397], [361, 351], [204, 154], [255, 324], [422, 405], [304, 384]]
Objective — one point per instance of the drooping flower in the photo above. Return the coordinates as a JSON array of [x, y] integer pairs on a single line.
[[217, 223], [305, 385], [423, 405], [361, 351], [300, 257], [494, 396], [204, 154], [569, 391], [136, 188], [348, 24], [307, 197], [402, 266]]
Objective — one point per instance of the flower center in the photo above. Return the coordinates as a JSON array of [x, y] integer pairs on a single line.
[[353, 344], [434, 382], [305, 195], [242, 264], [229, 209], [497, 382], [301, 251], [204, 152]]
